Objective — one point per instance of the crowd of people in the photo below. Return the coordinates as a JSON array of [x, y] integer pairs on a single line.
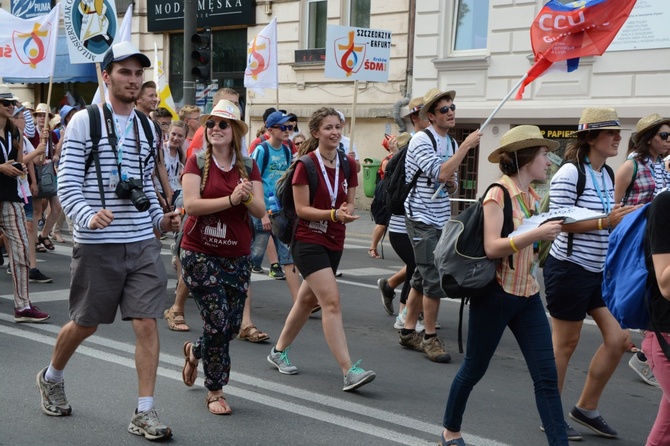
[[149, 177]]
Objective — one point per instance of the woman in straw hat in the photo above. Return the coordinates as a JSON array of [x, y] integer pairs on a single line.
[[318, 245], [639, 179], [574, 267], [513, 299], [643, 175], [216, 246]]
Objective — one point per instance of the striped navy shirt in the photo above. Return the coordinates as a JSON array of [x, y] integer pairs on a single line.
[[588, 248], [79, 193], [422, 155]]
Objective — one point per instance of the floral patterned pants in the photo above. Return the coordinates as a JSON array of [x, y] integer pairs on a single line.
[[219, 287]]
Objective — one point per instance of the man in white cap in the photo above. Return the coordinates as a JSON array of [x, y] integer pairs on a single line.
[[436, 157], [114, 209]]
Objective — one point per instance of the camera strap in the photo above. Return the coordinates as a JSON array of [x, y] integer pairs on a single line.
[[114, 140]]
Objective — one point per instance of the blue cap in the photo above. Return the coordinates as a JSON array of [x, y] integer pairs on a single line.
[[276, 118], [65, 111]]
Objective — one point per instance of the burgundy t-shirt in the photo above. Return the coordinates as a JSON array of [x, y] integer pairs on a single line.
[[327, 233], [226, 233]]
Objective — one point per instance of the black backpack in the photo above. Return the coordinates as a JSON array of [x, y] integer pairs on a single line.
[[396, 188], [460, 258], [545, 246], [285, 221]]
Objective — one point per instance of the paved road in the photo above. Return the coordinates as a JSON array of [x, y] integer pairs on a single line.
[[404, 405]]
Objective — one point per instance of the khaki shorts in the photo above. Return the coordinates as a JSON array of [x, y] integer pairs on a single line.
[[426, 278], [126, 276]]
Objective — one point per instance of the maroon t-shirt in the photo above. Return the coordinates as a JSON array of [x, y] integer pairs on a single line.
[[327, 233], [226, 233]]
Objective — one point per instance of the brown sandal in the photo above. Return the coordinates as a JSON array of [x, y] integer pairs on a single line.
[[189, 378], [175, 320], [222, 402], [252, 334]]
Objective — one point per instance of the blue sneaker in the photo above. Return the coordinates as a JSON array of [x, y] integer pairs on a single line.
[[597, 425]]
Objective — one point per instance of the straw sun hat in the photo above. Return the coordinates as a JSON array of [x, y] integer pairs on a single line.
[[43, 108], [598, 118], [432, 97], [522, 137], [415, 105], [649, 123], [226, 110]]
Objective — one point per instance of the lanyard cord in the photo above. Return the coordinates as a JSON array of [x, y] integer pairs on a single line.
[[113, 141], [602, 193]]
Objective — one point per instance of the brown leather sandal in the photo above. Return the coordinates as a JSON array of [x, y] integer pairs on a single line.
[[175, 320], [252, 334], [222, 402], [189, 378]]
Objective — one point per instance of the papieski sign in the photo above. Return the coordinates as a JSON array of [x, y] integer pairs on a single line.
[[168, 15]]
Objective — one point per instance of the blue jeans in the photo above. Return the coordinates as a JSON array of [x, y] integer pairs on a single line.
[[260, 244], [489, 315]]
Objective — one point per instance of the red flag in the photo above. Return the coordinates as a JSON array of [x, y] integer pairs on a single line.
[[567, 32]]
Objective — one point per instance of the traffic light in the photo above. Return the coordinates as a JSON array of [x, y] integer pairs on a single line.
[[202, 54]]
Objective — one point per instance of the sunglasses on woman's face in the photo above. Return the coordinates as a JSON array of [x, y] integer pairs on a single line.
[[222, 124], [664, 135], [298, 143], [6, 103]]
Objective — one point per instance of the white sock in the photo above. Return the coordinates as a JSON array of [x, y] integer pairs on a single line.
[[53, 375], [145, 403], [589, 413]]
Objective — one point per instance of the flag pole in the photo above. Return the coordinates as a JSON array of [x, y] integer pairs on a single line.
[[353, 117], [488, 120], [277, 98], [101, 84]]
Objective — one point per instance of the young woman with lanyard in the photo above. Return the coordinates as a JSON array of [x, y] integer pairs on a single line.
[[317, 248], [174, 157], [574, 267], [513, 299], [12, 215], [216, 247]]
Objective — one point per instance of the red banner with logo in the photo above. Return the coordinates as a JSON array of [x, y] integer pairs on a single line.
[[567, 32]]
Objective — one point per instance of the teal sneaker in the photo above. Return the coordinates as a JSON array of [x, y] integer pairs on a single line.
[[281, 361], [357, 377]]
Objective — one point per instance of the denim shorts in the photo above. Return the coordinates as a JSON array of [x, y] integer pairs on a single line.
[[571, 291], [28, 209]]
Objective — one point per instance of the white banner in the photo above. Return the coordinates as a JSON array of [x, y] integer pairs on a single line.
[[262, 69], [646, 28], [358, 53], [28, 46], [90, 27]]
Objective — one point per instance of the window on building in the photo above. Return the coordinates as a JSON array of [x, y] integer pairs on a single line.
[[317, 14], [122, 6], [359, 13], [471, 22]]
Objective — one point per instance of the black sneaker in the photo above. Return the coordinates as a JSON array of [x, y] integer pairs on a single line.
[[276, 272], [572, 433], [36, 276], [388, 294], [257, 269], [597, 425]]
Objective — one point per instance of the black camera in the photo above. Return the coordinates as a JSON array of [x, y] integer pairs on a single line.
[[132, 188]]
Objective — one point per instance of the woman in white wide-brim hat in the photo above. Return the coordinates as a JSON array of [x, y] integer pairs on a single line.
[[219, 194], [573, 270], [513, 299]]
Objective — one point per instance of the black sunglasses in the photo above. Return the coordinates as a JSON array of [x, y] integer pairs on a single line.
[[664, 135], [222, 124], [7, 103], [283, 128], [444, 110]]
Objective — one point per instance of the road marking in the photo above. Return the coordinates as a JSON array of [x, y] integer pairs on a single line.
[[354, 422]]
